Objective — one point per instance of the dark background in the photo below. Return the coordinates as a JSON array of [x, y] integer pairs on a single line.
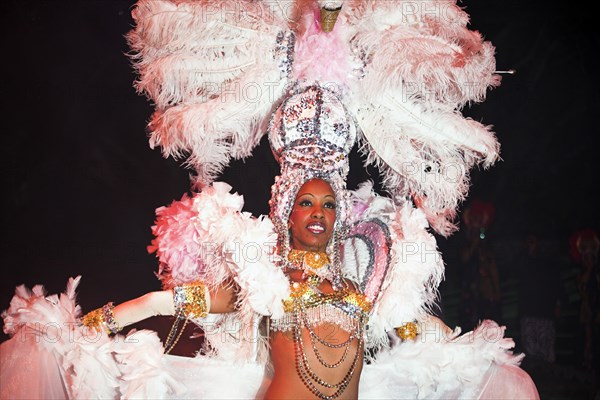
[[81, 183]]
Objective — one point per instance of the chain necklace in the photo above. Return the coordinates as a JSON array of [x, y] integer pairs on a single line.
[[309, 377]]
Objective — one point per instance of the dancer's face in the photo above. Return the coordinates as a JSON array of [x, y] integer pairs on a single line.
[[313, 216]]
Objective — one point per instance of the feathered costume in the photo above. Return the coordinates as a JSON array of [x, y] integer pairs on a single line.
[[390, 75]]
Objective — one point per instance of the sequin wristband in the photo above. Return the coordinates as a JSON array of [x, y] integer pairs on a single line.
[[109, 318], [102, 318], [191, 300]]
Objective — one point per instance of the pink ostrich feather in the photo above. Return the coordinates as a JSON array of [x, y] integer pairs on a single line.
[[322, 56]]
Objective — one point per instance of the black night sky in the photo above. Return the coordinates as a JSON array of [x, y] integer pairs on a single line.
[[81, 183]]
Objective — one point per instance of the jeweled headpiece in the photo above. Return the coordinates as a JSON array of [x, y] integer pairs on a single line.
[[311, 135]]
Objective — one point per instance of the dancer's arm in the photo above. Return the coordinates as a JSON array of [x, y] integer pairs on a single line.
[[194, 300]]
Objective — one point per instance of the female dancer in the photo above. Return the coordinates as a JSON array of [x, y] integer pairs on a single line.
[[331, 289], [389, 75]]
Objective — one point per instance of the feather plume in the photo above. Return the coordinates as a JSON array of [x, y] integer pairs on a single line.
[[425, 154], [182, 50], [207, 134], [423, 50], [214, 71], [421, 65], [409, 68], [322, 57]]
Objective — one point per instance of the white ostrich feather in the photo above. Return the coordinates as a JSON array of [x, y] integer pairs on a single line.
[[188, 50], [425, 153], [210, 133], [423, 49], [213, 71], [421, 66]]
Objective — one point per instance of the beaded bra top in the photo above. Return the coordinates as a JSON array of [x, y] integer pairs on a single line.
[[307, 306]]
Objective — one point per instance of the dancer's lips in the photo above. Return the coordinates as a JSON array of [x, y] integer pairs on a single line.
[[316, 228]]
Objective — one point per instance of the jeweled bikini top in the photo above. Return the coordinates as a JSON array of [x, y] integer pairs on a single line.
[[309, 306]]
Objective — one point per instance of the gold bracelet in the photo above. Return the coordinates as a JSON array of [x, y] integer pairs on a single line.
[[190, 300], [102, 317], [93, 319]]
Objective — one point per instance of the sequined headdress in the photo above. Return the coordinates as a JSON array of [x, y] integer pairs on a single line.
[[311, 135]]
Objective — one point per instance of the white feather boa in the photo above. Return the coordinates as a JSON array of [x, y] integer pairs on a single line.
[[207, 237]]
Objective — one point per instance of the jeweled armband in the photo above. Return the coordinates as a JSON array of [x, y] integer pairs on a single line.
[[102, 317], [191, 300]]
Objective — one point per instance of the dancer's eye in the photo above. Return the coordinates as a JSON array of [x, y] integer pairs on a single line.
[[305, 203], [330, 205]]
